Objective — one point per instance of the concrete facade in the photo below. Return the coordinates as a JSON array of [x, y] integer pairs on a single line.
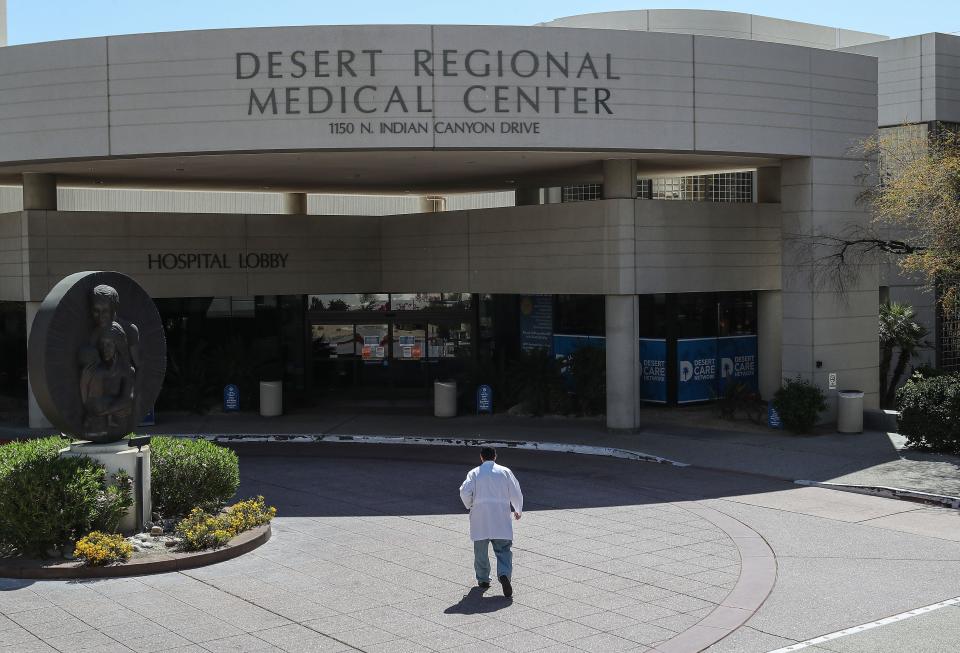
[[241, 162]]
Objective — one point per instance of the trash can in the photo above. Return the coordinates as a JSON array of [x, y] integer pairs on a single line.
[[271, 398], [445, 398], [850, 411]]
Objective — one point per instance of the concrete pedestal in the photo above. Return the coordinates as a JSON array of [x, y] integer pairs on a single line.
[[118, 456]]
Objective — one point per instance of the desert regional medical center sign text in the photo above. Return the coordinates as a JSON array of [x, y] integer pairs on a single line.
[[344, 83]]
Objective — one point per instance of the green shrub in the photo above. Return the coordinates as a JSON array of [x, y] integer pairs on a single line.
[[798, 403], [588, 369], [188, 474], [536, 381], [47, 502], [930, 413]]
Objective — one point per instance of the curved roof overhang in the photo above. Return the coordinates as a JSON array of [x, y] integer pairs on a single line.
[[417, 107]]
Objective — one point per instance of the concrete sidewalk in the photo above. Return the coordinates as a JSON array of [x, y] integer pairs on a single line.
[[871, 459]]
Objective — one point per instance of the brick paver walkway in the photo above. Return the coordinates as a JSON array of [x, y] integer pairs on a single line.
[[374, 556]]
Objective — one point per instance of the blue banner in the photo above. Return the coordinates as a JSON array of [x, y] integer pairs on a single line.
[[536, 322], [737, 356], [653, 373], [697, 370], [564, 345]]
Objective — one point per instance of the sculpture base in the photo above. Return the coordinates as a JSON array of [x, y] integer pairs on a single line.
[[117, 456]]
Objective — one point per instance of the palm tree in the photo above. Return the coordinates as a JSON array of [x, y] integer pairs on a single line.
[[898, 330]]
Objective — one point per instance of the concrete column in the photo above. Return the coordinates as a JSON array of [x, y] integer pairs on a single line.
[[527, 196], [768, 184], [769, 341], [39, 191], [37, 419], [827, 329], [623, 362], [433, 204], [622, 319], [295, 203], [619, 179]]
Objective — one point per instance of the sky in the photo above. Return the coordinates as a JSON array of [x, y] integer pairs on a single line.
[[31, 21]]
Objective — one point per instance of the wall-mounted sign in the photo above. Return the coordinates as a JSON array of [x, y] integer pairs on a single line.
[[231, 398], [484, 399], [536, 322], [324, 82], [832, 381], [217, 261]]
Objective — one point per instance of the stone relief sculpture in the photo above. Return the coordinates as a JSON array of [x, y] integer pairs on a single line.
[[96, 364]]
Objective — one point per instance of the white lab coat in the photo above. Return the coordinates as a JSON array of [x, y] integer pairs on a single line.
[[488, 493]]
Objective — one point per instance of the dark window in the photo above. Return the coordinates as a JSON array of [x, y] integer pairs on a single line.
[[580, 315]]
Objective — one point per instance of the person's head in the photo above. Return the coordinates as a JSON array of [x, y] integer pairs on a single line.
[[106, 303], [488, 453]]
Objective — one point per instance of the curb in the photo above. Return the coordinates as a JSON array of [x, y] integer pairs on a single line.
[[889, 493], [555, 447], [44, 570]]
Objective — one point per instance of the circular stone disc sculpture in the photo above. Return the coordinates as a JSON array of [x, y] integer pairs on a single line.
[[97, 355]]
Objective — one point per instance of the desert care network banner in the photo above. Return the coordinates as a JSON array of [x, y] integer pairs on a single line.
[[707, 365], [399, 86]]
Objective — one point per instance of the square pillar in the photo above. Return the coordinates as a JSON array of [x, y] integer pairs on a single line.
[[295, 203], [623, 362], [827, 329], [39, 191], [769, 341], [619, 179]]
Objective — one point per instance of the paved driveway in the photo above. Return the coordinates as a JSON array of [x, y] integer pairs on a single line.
[[371, 553]]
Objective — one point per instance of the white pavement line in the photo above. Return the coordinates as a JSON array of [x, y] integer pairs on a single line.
[[886, 491], [443, 441], [868, 626]]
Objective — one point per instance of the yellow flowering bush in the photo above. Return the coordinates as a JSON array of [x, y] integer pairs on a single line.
[[244, 515], [200, 530], [98, 549]]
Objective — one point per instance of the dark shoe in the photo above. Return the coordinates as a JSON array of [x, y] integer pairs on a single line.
[[484, 585], [507, 587]]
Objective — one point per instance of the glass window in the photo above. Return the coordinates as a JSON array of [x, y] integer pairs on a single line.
[[333, 340], [372, 340], [448, 340], [653, 316], [349, 302], [738, 314], [696, 315], [580, 315], [409, 341], [581, 192]]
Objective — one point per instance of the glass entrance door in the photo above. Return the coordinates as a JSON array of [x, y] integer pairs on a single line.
[[387, 346]]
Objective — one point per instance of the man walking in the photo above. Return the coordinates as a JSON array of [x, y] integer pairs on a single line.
[[491, 492]]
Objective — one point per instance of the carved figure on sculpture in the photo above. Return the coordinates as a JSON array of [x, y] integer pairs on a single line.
[[109, 361], [107, 386]]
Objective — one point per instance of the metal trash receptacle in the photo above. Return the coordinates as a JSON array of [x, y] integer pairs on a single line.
[[271, 398], [445, 398], [850, 411]]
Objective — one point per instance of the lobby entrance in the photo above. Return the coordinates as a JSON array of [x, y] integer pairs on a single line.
[[386, 347]]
